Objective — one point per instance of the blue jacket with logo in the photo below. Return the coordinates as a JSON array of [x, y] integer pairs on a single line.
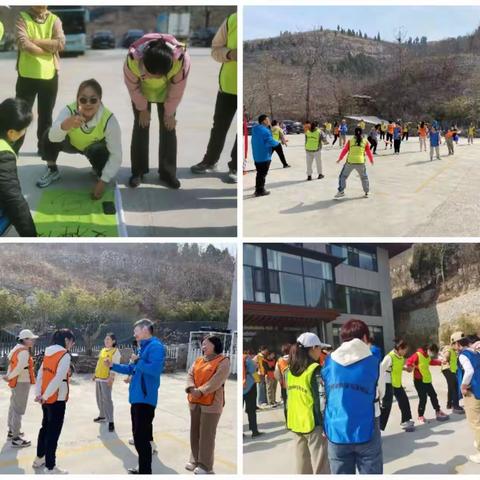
[[145, 373], [474, 358], [262, 144]]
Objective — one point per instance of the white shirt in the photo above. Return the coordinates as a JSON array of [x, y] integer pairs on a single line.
[[387, 368], [467, 368], [21, 370], [113, 138], [58, 382]]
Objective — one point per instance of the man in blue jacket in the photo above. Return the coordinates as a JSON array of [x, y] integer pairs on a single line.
[[145, 369], [262, 145]]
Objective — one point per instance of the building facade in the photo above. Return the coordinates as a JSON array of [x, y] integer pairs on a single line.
[[292, 288]]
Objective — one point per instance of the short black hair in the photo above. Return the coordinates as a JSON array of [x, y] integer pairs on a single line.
[[144, 322], [15, 114], [274, 123], [216, 342], [90, 83], [113, 337], [60, 336], [158, 57], [262, 117]]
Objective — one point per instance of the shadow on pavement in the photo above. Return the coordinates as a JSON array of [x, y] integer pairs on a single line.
[[11, 454], [115, 445], [259, 446], [433, 468]]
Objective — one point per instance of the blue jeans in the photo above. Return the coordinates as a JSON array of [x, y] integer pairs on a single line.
[[261, 392], [367, 458]]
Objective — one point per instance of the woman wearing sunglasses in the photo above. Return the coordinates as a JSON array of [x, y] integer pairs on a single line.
[[87, 127]]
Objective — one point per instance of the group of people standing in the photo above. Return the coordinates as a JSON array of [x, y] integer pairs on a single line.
[[155, 72], [338, 402], [204, 390]]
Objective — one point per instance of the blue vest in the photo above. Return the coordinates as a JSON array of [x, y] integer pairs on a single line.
[[351, 395], [474, 358]]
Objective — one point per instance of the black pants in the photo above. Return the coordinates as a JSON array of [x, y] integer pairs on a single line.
[[396, 145], [97, 153], [52, 423], [405, 136], [46, 93], [373, 144], [424, 390], [142, 428], [262, 171], [250, 401], [403, 403], [389, 137], [167, 150], [382, 135], [280, 153], [335, 138], [283, 392], [225, 110], [452, 382], [386, 406]]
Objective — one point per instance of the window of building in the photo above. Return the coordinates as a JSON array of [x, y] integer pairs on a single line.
[[252, 255], [284, 262], [318, 269], [355, 257], [358, 301], [253, 284]]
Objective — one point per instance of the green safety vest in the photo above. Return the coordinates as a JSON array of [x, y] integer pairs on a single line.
[[312, 140], [6, 147], [357, 152], [397, 369], [228, 72], [1, 31], [276, 133], [424, 367], [453, 360], [154, 89], [300, 416], [81, 139], [40, 67]]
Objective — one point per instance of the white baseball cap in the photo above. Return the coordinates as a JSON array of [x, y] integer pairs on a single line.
[[309, 339], [27, 334]]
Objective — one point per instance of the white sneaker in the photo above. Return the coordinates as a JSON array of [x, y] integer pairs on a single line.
[[339, 195], [475, 458], [48, 178], [232, 177], [201, 471], [190, 466], [153, 444], [407, 424], [38, 462], [55, 471]]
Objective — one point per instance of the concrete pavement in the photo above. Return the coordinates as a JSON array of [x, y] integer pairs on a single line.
[[88, 448], [204, 206], [410, 196], [433, 448]]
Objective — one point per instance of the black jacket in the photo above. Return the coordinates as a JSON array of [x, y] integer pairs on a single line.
[[14, 205]]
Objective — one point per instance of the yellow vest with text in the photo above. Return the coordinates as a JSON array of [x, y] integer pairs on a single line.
[[82, 139], [102, 371], [300, 416], [424, 367], [154, 89], [397, 369], [6, 147], [356, 153], [40, 67], [228, 72], [312, 140]]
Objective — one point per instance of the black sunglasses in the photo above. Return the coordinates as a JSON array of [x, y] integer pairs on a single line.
[[90, 100]]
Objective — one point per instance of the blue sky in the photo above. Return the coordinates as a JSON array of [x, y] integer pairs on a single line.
[[435, 22]]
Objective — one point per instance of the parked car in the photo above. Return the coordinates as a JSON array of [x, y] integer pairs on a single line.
[[202, 37], [293, 127], [131, 36], [103, 39], [250, 125], [7, 43]]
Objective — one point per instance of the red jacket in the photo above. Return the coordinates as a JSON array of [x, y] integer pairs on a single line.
[[413, 362]]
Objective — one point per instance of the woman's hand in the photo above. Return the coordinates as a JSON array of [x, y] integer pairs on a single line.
[[110, 381], [465, 390], [169, 121], [232, 55], [108, 363], [144, 119], [75, 121], [195, 393], [98, 190]]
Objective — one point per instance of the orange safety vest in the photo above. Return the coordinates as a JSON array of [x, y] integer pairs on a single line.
[[50, 366], [422, 131], [282, 366], [203, 371], [12, 383], [271, 368], [390, 127]]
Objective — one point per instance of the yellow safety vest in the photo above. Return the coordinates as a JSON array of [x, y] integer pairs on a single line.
[[6, 147], [453, 360], [471, 130], [228, 72], [383, 127], [1, 31], [312, 140], [362, 125], [424, 367], [102, 371], [82, 139], [40, 67], [276, 133], [154, 89], [300, 416], [397, 369], [357, 152]]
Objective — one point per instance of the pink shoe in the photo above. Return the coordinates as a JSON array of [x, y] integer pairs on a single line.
[[422, 420], [441, 417]]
